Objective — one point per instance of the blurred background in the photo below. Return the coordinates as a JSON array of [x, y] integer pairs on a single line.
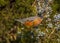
[[12, 31]]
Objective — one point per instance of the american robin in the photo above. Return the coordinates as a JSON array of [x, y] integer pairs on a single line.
[[31, 21]]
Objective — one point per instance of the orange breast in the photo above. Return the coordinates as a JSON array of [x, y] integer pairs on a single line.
[[28, 23], [35, 22]]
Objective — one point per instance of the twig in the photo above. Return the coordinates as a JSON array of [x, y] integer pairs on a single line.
[[51, 33]]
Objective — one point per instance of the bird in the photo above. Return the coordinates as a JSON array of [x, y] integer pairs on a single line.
[[31, 21], [34, 20]]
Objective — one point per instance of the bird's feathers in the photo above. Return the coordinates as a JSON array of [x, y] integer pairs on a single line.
[[26, 19]]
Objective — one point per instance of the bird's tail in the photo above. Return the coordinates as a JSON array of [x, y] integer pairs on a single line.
[[19, 20]]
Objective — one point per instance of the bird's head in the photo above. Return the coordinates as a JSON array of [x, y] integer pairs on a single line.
[[41, 14]]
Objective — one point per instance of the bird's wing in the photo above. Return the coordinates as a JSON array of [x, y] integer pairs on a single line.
[[26, 19]]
